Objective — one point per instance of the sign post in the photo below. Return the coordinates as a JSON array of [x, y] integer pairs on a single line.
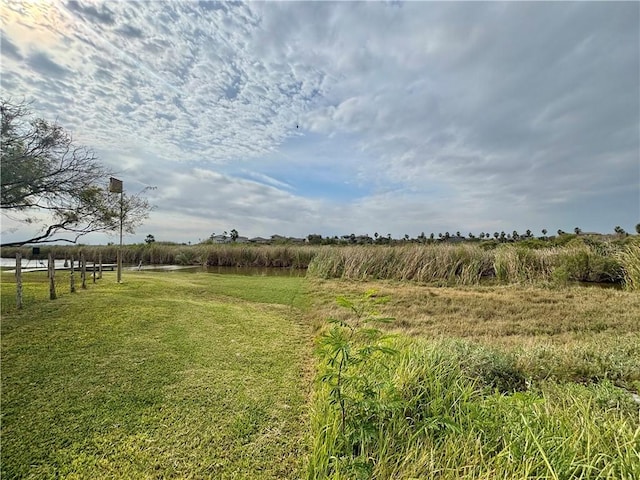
[[115, 186]]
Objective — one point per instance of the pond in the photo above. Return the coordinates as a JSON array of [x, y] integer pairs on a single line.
[[10, 263]]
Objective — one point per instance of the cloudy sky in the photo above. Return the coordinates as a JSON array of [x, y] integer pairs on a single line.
[[336, 118]]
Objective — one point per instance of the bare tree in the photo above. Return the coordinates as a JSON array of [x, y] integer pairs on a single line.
[[49, 181]]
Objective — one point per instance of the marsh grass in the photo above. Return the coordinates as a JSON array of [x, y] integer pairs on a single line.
[[629, 257], [168, 375], [438, 417], [577, 259], [517, 381], [470, 264], [462, 264], [213, 255], [582, 334]]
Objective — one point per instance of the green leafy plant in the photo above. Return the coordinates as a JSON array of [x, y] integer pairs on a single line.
[[349, 347], [350, 342]]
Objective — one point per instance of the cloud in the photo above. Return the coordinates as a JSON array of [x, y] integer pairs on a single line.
[[103, 15], [7, 48], [354, 113], [43, 64]]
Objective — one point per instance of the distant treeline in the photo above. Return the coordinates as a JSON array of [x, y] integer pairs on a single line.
[[576, 259]]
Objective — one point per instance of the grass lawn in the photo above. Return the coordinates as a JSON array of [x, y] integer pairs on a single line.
[[168, 375]]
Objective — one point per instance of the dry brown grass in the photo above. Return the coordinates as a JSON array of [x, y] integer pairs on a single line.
[[578, 333]]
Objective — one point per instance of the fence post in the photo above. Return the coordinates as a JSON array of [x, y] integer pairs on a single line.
[[72, 280], [19, 280], [100, 267], [52, 273], [94, 271], [83, 270]]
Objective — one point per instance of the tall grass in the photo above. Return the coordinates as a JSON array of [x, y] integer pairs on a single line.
[[439, 414], [459, 264], [224, 255], [468, 264], [450, 264], [629, 257]]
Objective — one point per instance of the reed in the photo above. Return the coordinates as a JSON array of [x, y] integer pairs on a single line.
[[629, 257], [521, 265], [455, 264], [225, 255], [442, 263]]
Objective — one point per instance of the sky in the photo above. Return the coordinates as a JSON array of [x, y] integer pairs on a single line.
[[334, 118]]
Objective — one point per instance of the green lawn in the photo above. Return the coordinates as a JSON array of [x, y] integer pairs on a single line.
[[168, 375]]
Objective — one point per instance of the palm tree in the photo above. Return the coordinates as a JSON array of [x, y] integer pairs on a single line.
[[577, 230], [544, 232]]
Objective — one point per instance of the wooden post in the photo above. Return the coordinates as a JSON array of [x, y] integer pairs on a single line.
[[100, 267], [52, 274], [83, 270], [72, 280], [18, 280], [94, 271]]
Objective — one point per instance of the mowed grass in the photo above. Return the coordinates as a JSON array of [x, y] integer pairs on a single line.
[[168, 375]]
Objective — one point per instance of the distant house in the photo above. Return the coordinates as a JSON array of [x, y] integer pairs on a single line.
[[242, 240], [220, 239], [259, 240]]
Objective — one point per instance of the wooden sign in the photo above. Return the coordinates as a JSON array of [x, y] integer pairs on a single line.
[[115, 185]]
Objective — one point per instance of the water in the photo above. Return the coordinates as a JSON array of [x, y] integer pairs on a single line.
[[10, 263]]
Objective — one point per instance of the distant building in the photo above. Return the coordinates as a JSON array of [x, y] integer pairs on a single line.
[[259, 240], [220, 239]]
